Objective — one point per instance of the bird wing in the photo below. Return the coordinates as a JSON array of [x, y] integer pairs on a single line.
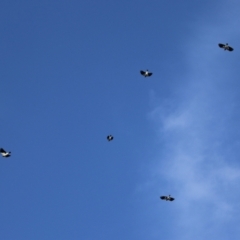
[[2, 150], [149, 74], [142, 72], [221, 45], [171, 199], [163, 197], [230, 49]]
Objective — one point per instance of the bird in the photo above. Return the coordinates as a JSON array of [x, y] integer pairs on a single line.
[[225, 47], [4, 153], [146, 73], [109, 138], [167, 198]]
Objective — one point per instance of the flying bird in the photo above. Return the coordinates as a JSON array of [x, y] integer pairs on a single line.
[[4, 153], [167, 198], [146, 73], [109, 137], [225, 47]]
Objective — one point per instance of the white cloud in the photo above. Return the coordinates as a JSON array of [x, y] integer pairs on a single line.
[[199, 153], [203, 180]]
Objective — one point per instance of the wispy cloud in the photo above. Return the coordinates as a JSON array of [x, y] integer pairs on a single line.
[[199, 160]]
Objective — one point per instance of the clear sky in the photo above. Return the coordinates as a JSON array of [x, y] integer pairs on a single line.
[[70, 76]]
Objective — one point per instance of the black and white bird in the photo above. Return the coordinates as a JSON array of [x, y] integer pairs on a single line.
[[109, 137], [146, 73], [4, 153], [225, 47], [167, 198]]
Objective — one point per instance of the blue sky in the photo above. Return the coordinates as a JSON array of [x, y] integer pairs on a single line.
[[70, 76]]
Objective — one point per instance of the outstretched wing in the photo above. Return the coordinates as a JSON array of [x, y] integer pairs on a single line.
[[171, 199], [230, 49], [221, 45], [163, 197], [2, 150], [149, 74], [142, 72]]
